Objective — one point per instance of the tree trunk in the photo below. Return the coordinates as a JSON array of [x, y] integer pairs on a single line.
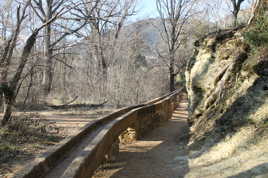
[[48, 71], [104, 76], [171, 73], [104, 67], [9, 88], [235, 18], [29, 88], [9, 102]]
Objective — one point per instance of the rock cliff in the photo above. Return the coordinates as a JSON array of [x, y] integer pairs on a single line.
[[227, 83]]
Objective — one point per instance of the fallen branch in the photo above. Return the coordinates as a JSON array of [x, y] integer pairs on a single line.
[[73, 106]]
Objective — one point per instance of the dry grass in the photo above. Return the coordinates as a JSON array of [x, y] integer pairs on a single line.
[[29, 134], [25, 136]]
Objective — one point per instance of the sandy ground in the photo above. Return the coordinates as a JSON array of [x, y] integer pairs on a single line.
[[71, 122], [249, 161]]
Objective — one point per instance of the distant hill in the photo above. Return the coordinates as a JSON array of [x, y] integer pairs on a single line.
[[150, 32]]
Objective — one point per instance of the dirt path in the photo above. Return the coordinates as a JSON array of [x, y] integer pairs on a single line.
[[163, 153], [71, 122], [65, 124], [155, 155]]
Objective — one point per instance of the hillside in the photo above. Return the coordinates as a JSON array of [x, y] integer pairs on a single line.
[[227, 90]]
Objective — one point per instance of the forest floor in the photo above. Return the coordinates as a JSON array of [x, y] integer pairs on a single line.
[[32, 133]]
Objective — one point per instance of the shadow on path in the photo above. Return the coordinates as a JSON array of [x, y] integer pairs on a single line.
[[160, 154]]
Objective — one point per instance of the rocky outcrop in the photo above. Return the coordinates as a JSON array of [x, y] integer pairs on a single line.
[[227, 82]]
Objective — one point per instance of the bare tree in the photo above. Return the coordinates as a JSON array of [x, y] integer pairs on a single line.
[[8, 88], [236, 6], [52, 37], [107, 21], [174, 15]]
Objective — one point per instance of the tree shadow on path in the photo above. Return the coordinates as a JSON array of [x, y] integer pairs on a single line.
[[161, 153]]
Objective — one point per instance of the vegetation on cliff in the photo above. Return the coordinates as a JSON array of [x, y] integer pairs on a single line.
[[227, 85]]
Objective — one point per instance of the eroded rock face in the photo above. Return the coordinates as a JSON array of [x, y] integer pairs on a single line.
[[227, 85]]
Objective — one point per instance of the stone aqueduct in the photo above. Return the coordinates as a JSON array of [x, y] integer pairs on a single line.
[[81, 155]]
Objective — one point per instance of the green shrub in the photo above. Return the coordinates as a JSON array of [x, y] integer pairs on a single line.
[[257, 36], [256, 39]]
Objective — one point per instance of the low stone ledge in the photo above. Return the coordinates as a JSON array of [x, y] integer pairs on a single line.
[[142, 116]]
